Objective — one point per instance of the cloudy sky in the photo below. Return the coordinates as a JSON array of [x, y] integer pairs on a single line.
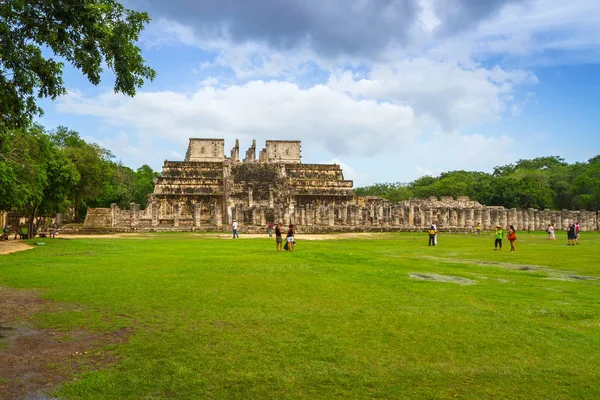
[[390, 89]]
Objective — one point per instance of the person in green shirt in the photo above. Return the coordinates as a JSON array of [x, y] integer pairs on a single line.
[[499, 235]]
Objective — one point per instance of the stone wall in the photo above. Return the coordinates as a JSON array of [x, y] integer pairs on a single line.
[[282, 151], [208, 191], [362, 215], [205, 150]]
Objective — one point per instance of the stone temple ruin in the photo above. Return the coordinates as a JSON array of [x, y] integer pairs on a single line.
[[208, 191]]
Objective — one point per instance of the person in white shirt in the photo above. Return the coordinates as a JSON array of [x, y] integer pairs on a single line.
[[235, 233], [552, 235]]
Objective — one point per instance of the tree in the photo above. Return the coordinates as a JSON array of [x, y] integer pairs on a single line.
[[90, 160], [44, 176], [85, 33], [143, 184]]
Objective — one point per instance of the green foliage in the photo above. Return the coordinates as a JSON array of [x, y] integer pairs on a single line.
[[39, 175], [43, 173], [85, 33], [143, 184], [391, 191], [542, 183], [90, 161], [337, 319]]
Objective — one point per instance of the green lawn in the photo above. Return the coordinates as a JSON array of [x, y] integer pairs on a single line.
[[233, 319]]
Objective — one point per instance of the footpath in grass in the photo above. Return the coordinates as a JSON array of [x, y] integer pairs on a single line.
[[377, 317]]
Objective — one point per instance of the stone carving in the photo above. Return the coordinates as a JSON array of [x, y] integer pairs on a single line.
[[208, 190]]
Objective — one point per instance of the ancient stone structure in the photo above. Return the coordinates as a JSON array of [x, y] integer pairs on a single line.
[[208, 191]]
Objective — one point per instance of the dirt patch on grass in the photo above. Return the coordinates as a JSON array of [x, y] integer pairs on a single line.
[[548, 273], [443, 278], [35, 361], [12, 246]]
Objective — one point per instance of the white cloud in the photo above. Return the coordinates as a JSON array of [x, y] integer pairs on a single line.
[[261, 110], [452, 95]]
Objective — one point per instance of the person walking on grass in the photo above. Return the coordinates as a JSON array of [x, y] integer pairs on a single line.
[[478, 229], [551, 234], [571, 234], [235, 229], [270, 229], [278, 239], [436, 233], [498, 238], [290, 239], [577, 232], [432, 232], [512, 236]]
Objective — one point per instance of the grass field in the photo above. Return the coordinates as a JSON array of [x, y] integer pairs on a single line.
[[381, 317]]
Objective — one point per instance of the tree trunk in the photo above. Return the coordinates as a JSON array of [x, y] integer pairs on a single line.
[[76, 216], [31, 222]]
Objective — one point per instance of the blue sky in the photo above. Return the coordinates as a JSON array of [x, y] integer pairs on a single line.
[[391, 90]]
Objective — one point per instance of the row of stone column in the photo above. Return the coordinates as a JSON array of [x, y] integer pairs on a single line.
[[401, 215]]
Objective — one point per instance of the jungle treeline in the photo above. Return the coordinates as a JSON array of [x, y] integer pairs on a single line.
[[47, 172], [542, 183]]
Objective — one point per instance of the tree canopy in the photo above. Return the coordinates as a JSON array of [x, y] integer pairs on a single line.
[[84, 33], [543, 183]]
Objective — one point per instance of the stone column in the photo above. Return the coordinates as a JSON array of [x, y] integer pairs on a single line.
[[114, 209], [196, 215], [504, 218], [453, 218], [354, 215], [443, 217], [308, 213], [519, 219], [250, 201], [239, 213], [134, 218], [411, 215], [292, 212], [155, 213], [176, 212], [286, 215], [330, 215], [469, 216], [460, 217], [485, 216], [478, 216], [531, 219]]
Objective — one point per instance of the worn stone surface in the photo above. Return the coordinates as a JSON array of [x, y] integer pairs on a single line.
[[208, 191]]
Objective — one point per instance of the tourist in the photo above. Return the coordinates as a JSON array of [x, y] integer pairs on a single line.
[[498, 238], [270, 229], [551, 234], [289, 246], [20, 232], [235, 227], [571, 234], [512, 236], [478, 229], [577, 232], [6, 231], [278, 239], [432, 232], [434, 225]]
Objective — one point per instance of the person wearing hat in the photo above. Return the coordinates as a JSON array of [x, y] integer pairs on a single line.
[[499, 235], [235, 226]]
